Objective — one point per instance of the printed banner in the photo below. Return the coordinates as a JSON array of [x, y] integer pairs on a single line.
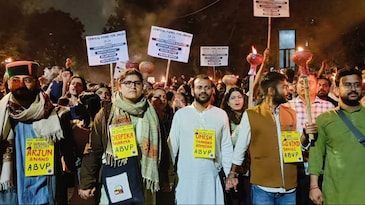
[[169, 44], [107, 48], [214, 56], [271, 8]]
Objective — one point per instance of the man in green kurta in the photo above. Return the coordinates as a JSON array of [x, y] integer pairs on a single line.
[[337, 146]]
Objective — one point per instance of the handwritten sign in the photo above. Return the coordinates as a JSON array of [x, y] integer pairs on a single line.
[[214, 56], [39, 157], [169, 44], [291, 146], [107, 48], [123, 141], [204, 143]]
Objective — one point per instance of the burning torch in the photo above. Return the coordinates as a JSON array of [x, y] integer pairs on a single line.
[[253, 59]]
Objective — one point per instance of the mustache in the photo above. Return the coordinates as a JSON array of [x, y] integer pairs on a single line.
[[22, 89], [353, 92]]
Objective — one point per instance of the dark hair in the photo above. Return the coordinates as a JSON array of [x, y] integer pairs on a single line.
[[325, 78], [187, 93], [169, 95], [98, 86], [311, 73], [130, 71], [153, 91], [271, 79], [84, 85], [345, 72], [224, 105], [201, 76], [290, 73]]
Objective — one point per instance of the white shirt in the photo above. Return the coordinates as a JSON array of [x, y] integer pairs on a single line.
[[198, 177]]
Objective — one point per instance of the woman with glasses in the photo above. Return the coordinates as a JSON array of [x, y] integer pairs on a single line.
[[125, 145]]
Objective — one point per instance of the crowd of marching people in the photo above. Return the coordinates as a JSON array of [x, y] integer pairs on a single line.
[[194, 142]]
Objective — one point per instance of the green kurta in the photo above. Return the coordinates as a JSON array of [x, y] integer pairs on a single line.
[[344, 169]]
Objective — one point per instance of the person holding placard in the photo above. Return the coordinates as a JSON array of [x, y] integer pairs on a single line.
[[126, 146], [201, 147], [36, 141], [268, 131]]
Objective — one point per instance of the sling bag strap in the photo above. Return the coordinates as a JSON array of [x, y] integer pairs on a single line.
[[356, 132]]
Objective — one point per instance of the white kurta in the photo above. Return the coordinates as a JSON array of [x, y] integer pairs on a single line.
[[199, 182]]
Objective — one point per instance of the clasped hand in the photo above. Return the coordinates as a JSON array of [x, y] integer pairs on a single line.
[[86, 194]]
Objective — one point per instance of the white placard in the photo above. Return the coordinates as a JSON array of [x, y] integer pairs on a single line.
[[119, 68], [214, 56], [107, 48], [151, 80], [271, 8], [169, 44], [118, 188]]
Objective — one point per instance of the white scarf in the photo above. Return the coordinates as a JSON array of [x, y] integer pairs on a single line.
[[49, 128]]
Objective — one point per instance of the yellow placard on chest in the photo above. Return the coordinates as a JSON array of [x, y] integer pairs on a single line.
[[290, 141], [123, 141], [39, 157], [204, 143]]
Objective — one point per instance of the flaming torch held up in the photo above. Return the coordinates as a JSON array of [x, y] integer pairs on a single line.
[[254, 59], [302, 57]]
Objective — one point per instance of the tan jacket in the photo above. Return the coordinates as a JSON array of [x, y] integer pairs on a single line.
[[264, 147]]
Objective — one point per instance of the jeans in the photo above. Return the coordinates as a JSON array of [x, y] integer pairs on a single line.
[[261, 197]]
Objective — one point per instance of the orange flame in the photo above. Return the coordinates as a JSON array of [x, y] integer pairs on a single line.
[[300, 49], [253, 50]]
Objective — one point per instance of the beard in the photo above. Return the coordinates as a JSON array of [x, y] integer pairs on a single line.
[[322, 94], [350, 102], [279, 98], [200, 98], [24, 94]]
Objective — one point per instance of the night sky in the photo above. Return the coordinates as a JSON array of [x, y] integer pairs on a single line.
[[92, 13]]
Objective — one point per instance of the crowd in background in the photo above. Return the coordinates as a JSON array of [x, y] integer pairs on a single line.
[[84, 99]]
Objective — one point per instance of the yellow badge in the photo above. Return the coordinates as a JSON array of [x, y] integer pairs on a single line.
[[123, 141], [291, 146], [39, 157], [204, 143]]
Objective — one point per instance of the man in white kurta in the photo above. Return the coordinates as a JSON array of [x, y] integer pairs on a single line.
[[198, 179]]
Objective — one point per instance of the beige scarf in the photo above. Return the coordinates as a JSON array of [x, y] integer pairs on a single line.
[[48, 128], [120, 113]]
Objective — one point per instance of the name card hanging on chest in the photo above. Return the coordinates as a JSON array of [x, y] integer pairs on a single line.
[[39, 157], [204, 143], [123, 141], [290, 141]]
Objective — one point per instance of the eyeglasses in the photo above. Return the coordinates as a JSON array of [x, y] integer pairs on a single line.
[[348, 85], [25, 80], [162, 97], [129, 83]]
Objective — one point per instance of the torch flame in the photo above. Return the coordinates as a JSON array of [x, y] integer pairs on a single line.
[[8, 60], [300, 49], [253, 50]]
